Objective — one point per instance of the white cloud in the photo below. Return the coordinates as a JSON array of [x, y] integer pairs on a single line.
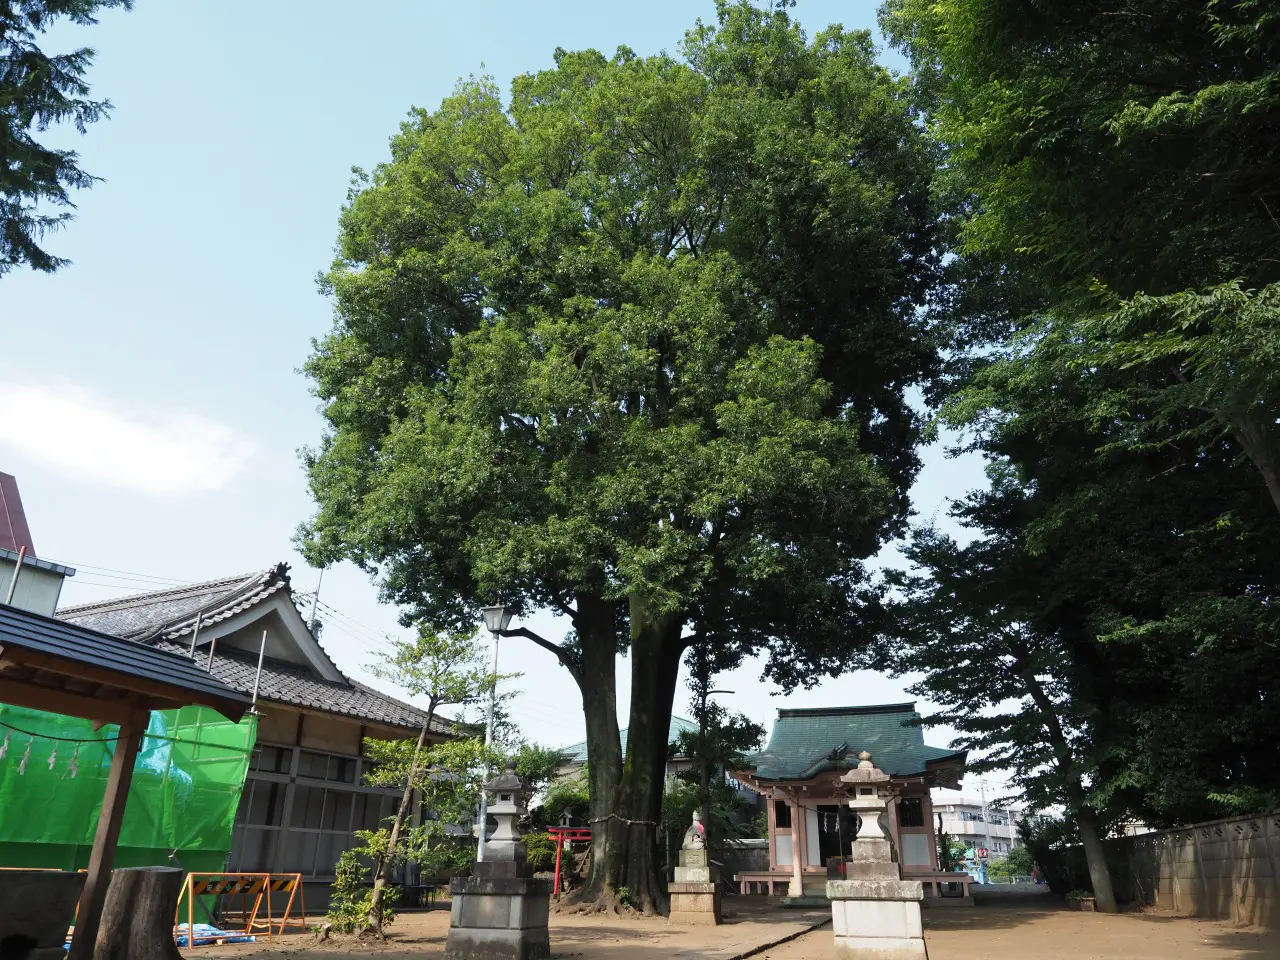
[[161, 451]]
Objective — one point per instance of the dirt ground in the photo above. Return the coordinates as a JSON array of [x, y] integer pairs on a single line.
[[1038, 927], [747, 927], [1003, 926]]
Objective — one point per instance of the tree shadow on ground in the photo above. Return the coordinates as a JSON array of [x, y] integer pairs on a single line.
[[1248, 942], [994, 909], [760, 909]]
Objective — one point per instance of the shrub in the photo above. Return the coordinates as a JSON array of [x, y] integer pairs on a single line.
[[541, 848], [352, 898]]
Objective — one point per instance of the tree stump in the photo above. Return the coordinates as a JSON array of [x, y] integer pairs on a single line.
[[137, 918]]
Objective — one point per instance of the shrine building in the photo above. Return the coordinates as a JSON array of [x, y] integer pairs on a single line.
[[811, 827]]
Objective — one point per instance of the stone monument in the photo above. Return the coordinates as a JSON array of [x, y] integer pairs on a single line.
[[695, 894], [876, 914], [36, 907], [500, 912]]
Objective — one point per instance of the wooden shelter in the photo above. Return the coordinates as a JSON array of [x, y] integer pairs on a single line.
[[47, 664]]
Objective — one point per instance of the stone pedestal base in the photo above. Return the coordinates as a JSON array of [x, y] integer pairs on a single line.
[[695, 895], [694, 904], [498, 918], [877, 919]]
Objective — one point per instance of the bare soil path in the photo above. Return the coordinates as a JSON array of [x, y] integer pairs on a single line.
[[1039, 927], [748, 926], [1005, 925]]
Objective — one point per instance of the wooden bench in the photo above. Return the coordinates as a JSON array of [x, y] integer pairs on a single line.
[[750, 882]]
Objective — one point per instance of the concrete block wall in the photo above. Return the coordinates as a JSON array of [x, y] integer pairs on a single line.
[[1226, 869], [746, 856]]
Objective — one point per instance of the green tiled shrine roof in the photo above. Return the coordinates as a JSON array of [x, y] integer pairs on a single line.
[[577, 753], [806, 742]]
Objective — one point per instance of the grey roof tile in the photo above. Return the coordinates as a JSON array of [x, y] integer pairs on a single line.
[[300, 686], [142, 616]]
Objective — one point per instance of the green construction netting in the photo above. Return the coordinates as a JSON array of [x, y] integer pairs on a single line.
[[182, 801]]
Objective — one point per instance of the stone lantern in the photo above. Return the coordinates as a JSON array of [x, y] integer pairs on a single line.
[[500, 912], [874, 911]]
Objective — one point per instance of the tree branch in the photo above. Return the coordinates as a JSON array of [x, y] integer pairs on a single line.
[[564, 608], [566, 657]]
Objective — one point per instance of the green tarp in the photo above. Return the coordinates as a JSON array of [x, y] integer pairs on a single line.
[[182, 802]]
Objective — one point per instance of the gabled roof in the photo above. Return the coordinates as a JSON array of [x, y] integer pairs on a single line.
[[297, 685], [807, 742], [48, 656], [171, 613], [166, 620], [577, 753]]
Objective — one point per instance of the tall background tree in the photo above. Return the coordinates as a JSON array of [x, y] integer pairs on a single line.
[[633, 347], [1111, 175], [38, 90], [1118, 164], [719, 745]]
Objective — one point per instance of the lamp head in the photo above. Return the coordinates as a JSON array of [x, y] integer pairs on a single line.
[[497, 618]]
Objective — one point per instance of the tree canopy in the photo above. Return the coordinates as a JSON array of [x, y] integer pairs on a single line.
[[633, 346], [1109, 174], [38, 90]]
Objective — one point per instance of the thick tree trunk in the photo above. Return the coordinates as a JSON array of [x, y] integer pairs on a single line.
[[1253, 437], [632, 864], [598, 638], [137, 917], [1086, 818], [1099, 873], [383, 875]]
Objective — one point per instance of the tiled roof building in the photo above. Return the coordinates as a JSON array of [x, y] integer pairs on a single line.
[[305, 795], [232, 614]]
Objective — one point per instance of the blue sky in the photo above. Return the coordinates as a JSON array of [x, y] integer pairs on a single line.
[[151, 408]]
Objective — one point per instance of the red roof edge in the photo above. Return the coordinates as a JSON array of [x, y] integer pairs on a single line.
[[14, 533]]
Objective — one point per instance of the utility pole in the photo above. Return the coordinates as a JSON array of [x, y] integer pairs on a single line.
[[315, 601], [986, 817]]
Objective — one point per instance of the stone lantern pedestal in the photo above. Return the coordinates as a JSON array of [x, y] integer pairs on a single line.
[[875, 913], [500, 912], [695, 894]]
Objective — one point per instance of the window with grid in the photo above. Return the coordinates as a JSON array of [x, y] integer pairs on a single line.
[[911, 812]]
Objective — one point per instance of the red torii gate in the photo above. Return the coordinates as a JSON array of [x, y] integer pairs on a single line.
[[561, 834]]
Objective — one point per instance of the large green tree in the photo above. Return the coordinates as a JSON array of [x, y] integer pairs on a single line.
[[1111, 173], [1117, 164], [632, 347], [38, 90], [1110, 634]]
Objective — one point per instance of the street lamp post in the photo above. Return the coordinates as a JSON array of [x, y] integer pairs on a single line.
[[496, 619]]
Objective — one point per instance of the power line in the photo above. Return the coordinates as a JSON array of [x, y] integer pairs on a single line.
[[130, 575], [85, 582], [361, 640], [355, 627], [116, 573]]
